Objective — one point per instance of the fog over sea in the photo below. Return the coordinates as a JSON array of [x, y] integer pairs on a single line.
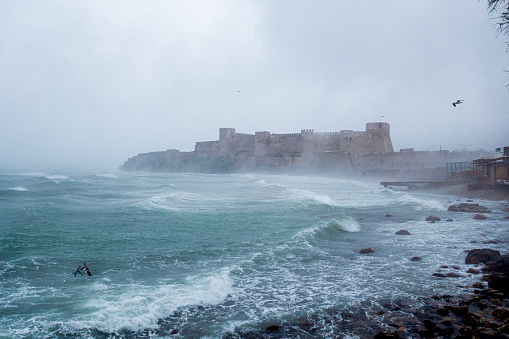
[[208, 255]]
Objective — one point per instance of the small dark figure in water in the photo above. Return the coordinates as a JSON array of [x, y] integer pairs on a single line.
[[86, 269], [79, 270]]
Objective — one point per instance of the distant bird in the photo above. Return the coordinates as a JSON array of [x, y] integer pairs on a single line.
[[457, 102]]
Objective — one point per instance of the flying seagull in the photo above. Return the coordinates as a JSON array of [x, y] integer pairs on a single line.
[[457, 102]]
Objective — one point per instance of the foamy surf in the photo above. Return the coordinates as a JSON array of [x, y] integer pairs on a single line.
[[137, 307], [19, 189]]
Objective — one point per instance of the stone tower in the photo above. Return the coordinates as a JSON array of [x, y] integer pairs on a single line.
[[379, 134]]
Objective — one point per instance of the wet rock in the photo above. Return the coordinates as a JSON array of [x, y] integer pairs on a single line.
[[484, 332], [453, 275], [449, 219], [501, 313], [504, 329], [403, 232], [388, 215], [498, 264], [429, 324], [415, 259], [490, 242], [460, 311], [425, 333], [174, 331], [366, 250], [477, 256], [473, 271], [478, 285], [443, 311], [480, 217], [471, 208], [455, 267], [467, 331], [272, 328], [444, 266], [471, 320], [385, 335], [433, 218], [499, 283], [482, 305], [440, 275], [446, 332]]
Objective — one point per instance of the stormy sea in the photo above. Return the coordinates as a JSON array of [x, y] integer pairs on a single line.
[[211, 256]]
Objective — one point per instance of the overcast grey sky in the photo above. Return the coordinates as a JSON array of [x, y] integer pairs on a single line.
[[88, 84]]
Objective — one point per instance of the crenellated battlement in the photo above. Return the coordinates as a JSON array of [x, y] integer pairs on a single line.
[[273, 150]]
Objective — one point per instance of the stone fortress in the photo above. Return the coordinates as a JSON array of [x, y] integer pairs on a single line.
[[346, 152]]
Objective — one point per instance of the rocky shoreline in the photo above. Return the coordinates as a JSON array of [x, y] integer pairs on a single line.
[[481, 311]]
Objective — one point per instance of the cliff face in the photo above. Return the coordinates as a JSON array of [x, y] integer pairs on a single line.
[[345, 152]]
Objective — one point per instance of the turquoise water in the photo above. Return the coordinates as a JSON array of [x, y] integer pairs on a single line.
[[212, 254]]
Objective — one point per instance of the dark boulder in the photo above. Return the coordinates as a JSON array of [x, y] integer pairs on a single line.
[[473, 271], [499, 283], [471, 208], [453, 275], [501, 313], [403, 232], [478, 285], [477, 256], [388, 215], [498, 264], [432, 218], [366, 250], [415, 259], [480, 217], [272, 328]]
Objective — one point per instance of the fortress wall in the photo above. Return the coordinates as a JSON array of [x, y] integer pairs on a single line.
[[262, 140], [380, 135], [243, 143], [206, 148], [267, 144], [284, 143], [355, 142], [325, 142]]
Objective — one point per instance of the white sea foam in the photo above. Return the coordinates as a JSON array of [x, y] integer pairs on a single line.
[[57, 177], [305, 195], [137, 307], [107, 175], [19, 189], [405, 198], [173, 201], [348, 224]]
